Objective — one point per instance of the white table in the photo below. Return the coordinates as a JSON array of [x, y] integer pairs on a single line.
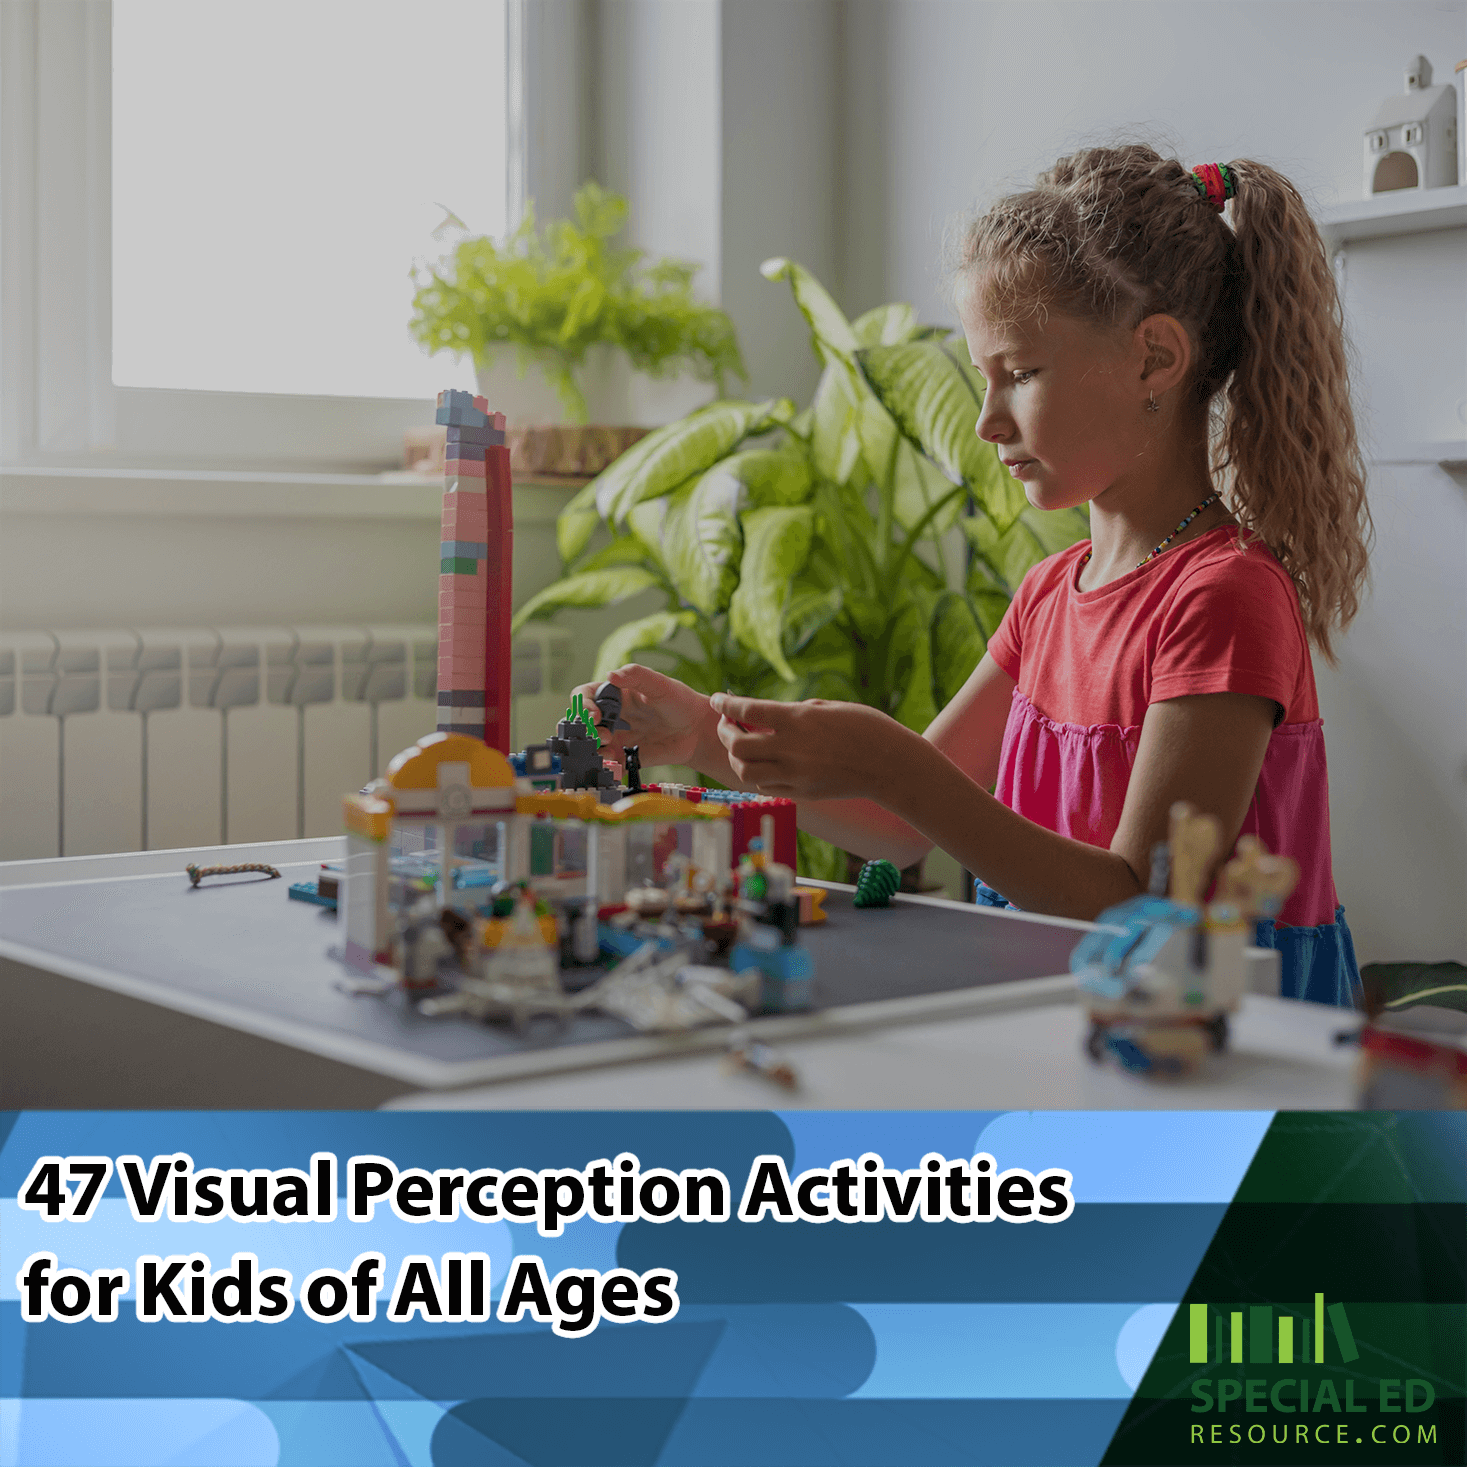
[[127, 1021], [1283, 1056]]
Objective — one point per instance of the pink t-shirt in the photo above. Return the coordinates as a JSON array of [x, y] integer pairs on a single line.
[[1203, 618]]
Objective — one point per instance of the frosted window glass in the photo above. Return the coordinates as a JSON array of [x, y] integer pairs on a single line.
[[277, 168]]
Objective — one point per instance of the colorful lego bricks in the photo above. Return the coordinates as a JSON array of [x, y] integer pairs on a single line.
[[748, 811], [475, 582]]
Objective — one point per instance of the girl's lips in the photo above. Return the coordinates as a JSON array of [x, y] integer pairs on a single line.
[[1019, 467]]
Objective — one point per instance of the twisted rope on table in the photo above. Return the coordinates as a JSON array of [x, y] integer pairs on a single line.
[[197, 873]]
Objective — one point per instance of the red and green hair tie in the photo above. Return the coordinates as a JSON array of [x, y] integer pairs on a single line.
[[1215, 182]]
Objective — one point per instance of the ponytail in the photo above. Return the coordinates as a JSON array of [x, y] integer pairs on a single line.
[[1288, 446]]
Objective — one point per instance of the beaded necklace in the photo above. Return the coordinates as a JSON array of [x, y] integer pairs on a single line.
[[1211, 499]]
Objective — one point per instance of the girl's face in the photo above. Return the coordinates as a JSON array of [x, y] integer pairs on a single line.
[[1065, 405]]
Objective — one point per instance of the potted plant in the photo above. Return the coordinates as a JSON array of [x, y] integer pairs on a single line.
[[864, 549], [574, 311]]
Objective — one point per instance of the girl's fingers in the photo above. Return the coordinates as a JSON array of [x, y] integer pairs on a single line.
[[745, 743], [752, 712], [761, 774]]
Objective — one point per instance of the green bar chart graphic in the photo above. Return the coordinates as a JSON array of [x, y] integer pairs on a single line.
[[1265, 1345]]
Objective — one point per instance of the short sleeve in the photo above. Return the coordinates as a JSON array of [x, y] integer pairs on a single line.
[[1006, 645], [1234, 626]]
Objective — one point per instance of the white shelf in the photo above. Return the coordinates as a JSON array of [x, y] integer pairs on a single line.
[[1407, 211], [1447, 452]]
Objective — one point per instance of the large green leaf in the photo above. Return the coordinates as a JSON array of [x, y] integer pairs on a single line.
[[776, 547], [886, 326], [957, 644], [909, 659], [637, 636], [624, 550], [832, 332], [842, 556], [935, 399], [811, 608], [647, 522], [771, 475], [702, 539], [675, 453], [987, 595], [586, 589], [578, 520], [826, 668], [918, 485], [835, 438], [699, 535], [1035, 535]]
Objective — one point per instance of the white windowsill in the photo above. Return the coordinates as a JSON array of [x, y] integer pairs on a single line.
[[219, 493]]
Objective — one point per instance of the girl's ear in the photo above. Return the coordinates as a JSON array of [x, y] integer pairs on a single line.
[[1165, 352]]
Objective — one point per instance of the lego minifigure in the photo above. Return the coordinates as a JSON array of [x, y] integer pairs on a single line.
[[608, 703]]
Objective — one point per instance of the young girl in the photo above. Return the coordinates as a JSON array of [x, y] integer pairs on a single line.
[[1185, 377]]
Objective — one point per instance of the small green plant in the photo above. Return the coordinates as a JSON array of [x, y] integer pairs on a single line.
[[553, 293], [864, 549]]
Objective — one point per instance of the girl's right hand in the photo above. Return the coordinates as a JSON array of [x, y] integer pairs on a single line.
[[670, 723]]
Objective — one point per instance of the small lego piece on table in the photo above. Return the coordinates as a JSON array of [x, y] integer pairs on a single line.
[[322, 892], [876, 884], [760, 1059], [197, 873], [812, 905]]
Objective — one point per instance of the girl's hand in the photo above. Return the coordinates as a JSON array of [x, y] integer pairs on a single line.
[[669, 721], [816, 750]]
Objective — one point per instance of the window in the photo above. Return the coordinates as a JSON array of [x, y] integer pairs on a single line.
[[276, 168], [209, 213]]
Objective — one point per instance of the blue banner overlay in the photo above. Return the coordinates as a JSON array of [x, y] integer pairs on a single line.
[[862, 1341]]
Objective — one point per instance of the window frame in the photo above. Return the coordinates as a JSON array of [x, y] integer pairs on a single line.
[[59, 407]]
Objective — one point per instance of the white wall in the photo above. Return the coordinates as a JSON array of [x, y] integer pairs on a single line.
[[949, 104], [781, 181]]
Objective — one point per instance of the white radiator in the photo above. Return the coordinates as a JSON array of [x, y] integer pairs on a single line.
[[156, 739]]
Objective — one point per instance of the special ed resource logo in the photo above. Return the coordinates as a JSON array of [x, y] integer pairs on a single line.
[[1280, 1345]]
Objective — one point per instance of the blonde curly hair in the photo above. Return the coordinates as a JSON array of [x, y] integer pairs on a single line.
[[1113, 235]]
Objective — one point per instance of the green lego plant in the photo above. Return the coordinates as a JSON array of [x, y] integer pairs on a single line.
[[864, 549], [553, 293], [876, 884]]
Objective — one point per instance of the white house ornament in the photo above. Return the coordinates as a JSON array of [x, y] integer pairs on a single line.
[[1412, 140]]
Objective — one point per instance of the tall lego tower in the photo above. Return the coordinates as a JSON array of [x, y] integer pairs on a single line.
[[475, 582]]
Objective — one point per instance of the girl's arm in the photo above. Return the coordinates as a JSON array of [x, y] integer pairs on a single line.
[[672, 724], [968, 733], [1206, 749]]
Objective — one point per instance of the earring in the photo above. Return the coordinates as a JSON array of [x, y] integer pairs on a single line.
[[1152, 406]]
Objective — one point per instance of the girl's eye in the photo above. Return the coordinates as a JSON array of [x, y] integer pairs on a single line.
[[1020, 378]]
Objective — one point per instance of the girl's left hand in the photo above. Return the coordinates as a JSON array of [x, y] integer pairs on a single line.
[[816, 750]]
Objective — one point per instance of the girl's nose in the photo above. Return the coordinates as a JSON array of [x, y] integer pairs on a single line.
[[993, 426]]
